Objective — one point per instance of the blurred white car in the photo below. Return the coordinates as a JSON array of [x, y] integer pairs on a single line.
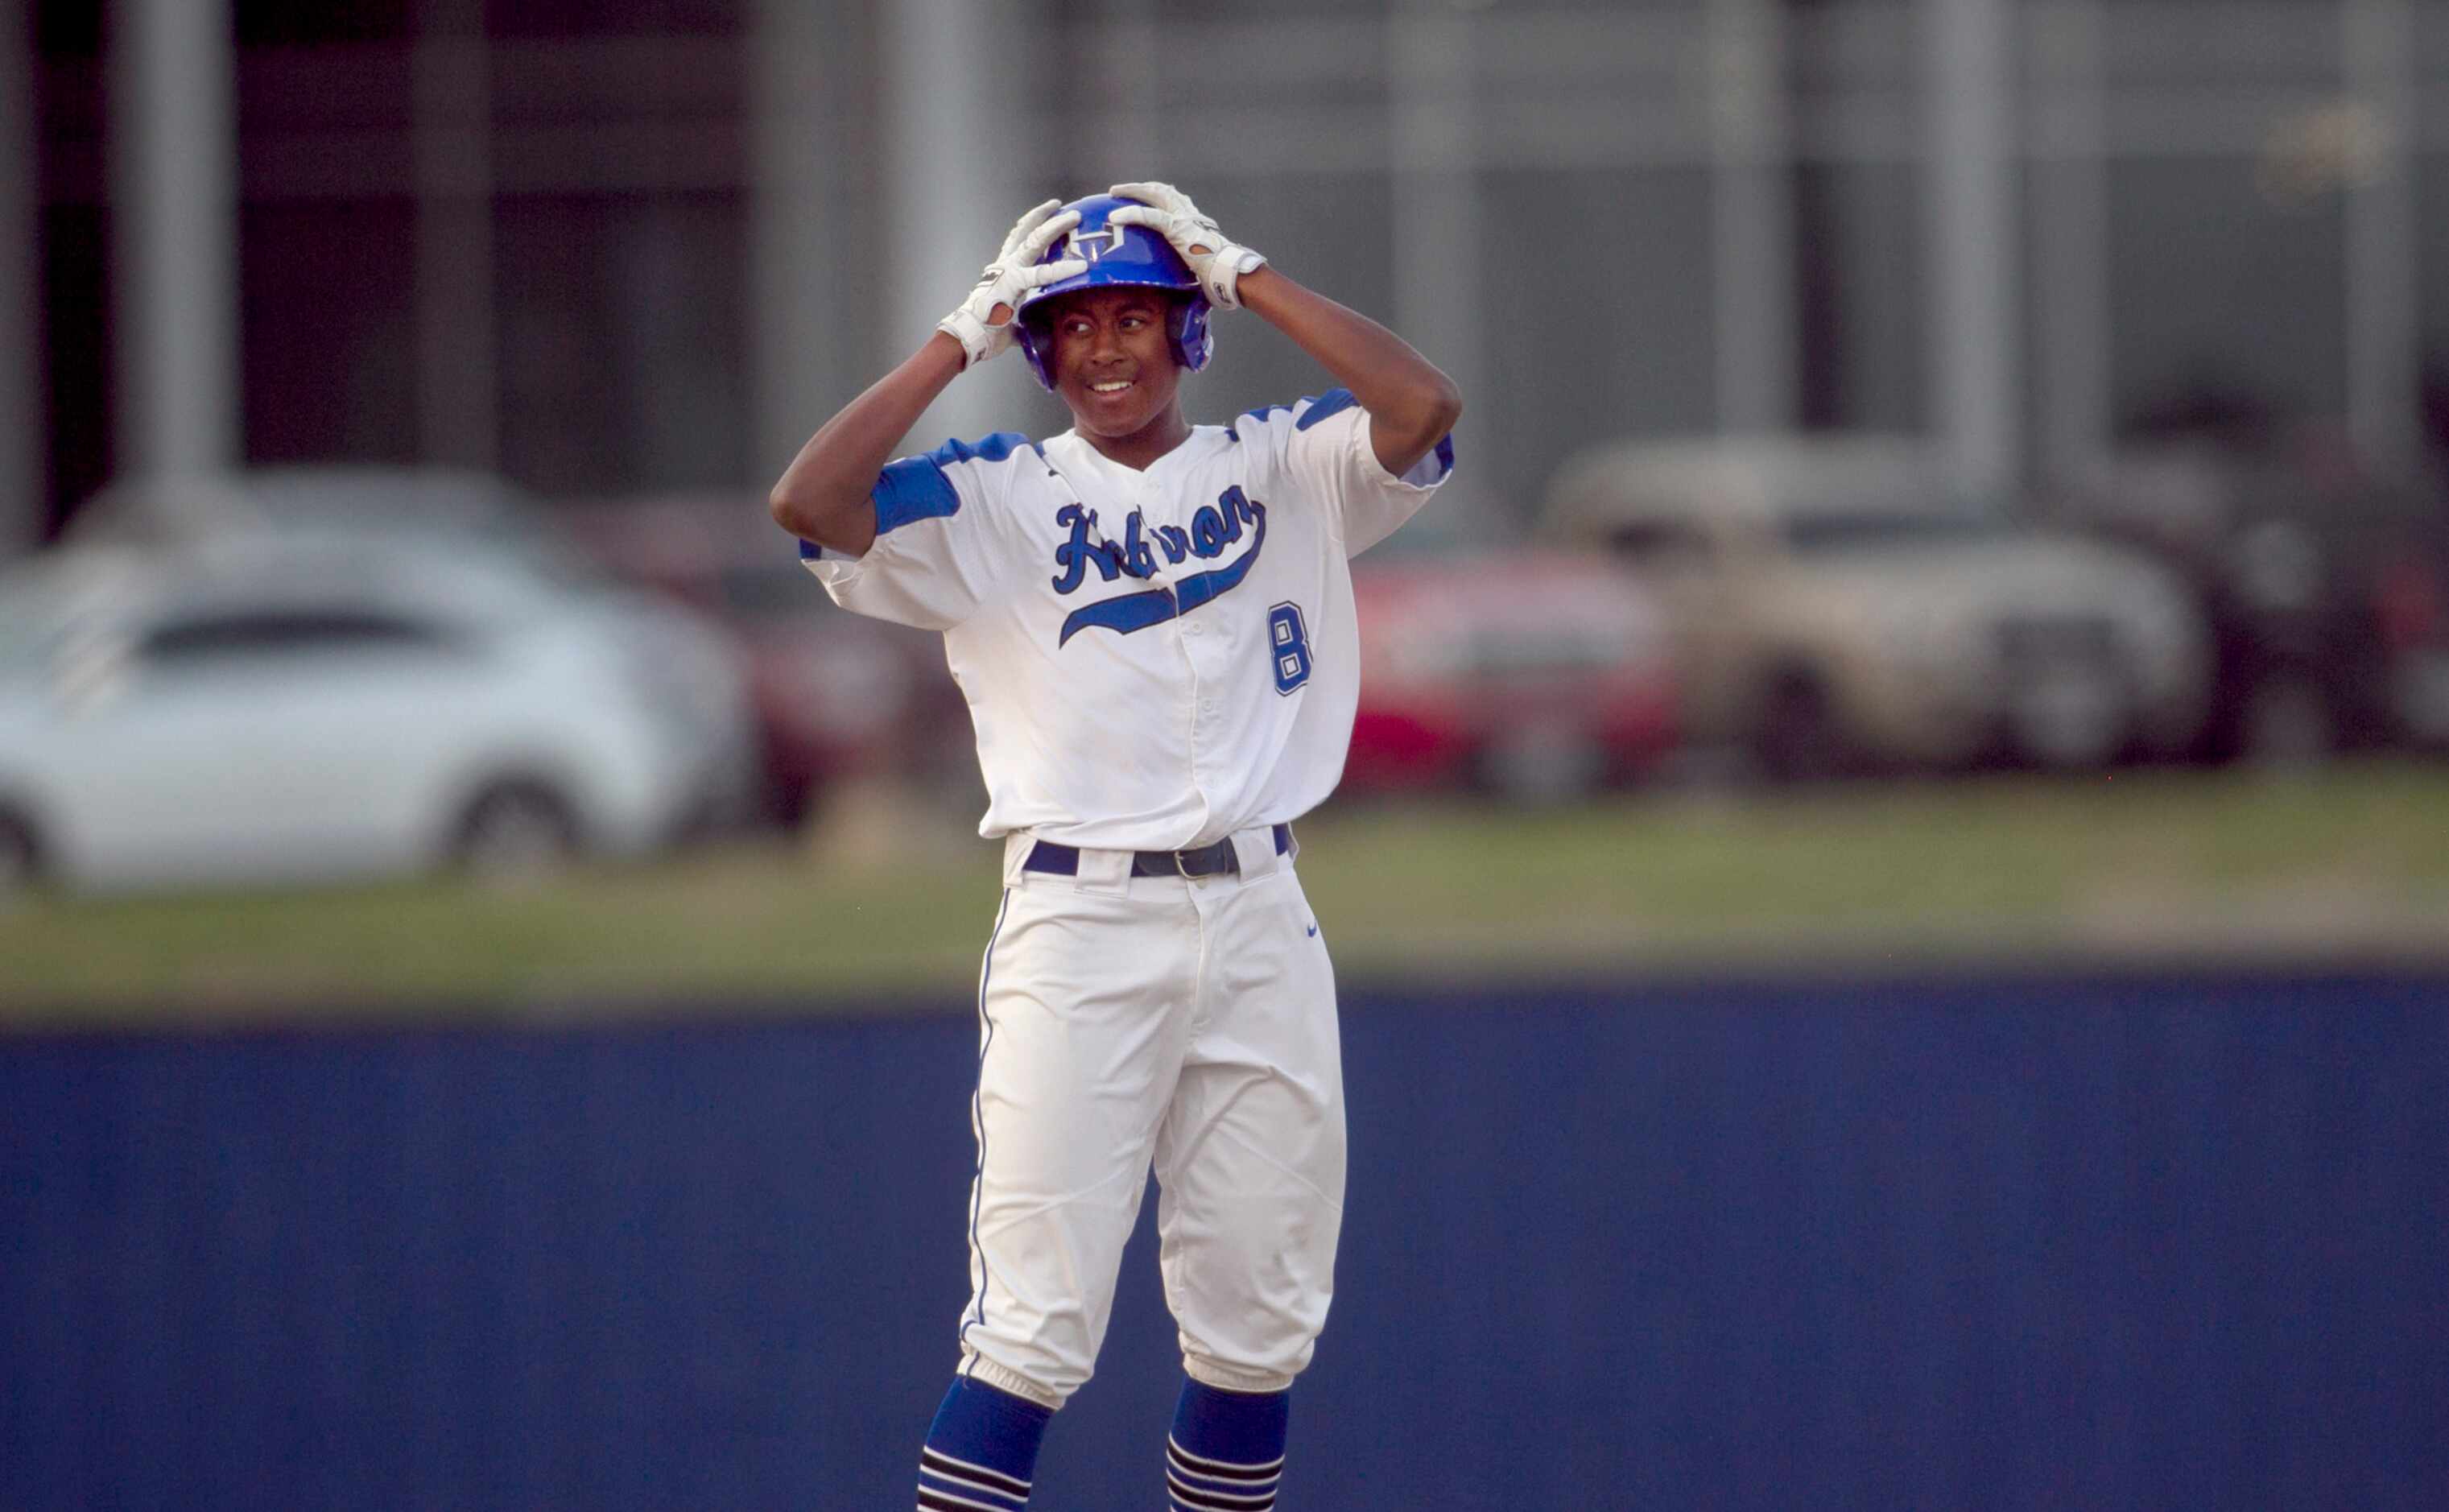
[[247, 710], [464, 507]]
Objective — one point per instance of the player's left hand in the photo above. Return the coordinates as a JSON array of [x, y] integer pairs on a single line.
[[1212, 256]]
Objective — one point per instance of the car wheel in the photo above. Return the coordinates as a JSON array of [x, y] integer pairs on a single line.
[[2287, 724], [788, 801], [1799, 739], [2075, 716], [21, 858], [1542, 764], [515, 830]]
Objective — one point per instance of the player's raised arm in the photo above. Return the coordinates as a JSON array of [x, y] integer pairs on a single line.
[[825, 495], [1412, 405]]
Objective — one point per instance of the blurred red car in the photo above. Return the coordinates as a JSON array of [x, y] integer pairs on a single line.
[[1531, 675], [837, 694]]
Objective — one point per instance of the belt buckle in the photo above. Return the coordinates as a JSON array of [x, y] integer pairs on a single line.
[[1179, 869]]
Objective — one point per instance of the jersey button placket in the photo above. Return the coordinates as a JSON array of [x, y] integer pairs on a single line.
[[1199, 649], [1206, 656], [1192, 632]]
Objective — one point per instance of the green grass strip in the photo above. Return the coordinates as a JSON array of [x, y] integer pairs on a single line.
[[2346, 864]]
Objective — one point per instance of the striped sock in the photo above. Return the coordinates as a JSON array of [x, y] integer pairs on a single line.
[[1228, 1449], [981, 1450]]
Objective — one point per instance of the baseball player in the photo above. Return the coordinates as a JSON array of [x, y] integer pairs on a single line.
[[1152, 623]]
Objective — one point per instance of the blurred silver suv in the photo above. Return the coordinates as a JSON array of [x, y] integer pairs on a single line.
[[1835, 606]]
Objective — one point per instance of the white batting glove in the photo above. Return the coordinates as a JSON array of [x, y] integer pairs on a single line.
[[1168, 212], [983, 323]]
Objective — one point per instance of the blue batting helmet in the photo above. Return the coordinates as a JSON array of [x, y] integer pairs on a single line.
[[1118, 256]]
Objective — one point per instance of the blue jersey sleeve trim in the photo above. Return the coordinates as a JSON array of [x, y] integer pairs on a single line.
[[1334, 401], [911, 490], [994, 449], [916, 488], [1232, 432]]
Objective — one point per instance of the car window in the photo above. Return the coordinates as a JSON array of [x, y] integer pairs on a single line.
[[2280, 494], [761, 593], [1847, 530], [1661, 545], [1530, 650], [267, 635]]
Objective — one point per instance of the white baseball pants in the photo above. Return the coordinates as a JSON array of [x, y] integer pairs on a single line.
[[1187, 1022]]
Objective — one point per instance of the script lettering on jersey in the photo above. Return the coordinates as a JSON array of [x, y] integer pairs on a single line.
[[1214, 529]]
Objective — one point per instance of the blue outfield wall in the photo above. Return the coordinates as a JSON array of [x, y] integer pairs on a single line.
[[2135, 1244]]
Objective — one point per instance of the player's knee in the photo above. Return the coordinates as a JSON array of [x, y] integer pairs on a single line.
[[1245, 1338]]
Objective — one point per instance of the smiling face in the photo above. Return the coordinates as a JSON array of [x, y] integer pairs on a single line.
[[1115, 367]]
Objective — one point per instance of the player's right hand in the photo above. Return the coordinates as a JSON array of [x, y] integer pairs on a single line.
[[983, 323]]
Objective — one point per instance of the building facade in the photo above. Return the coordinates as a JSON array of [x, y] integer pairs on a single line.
[[631, 245]]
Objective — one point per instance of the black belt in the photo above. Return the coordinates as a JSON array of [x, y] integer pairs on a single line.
[[1208, 860]]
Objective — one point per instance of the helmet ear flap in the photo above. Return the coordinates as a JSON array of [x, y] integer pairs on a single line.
[[1192, 343], [1031, 342]]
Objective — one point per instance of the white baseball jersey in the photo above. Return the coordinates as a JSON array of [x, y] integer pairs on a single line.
[[1153, 660]]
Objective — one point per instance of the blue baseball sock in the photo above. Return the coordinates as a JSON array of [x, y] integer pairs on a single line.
[[981, 1450], [1228, 1449]]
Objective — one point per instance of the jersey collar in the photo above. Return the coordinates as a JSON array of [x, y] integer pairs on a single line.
[[1071, 452]]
